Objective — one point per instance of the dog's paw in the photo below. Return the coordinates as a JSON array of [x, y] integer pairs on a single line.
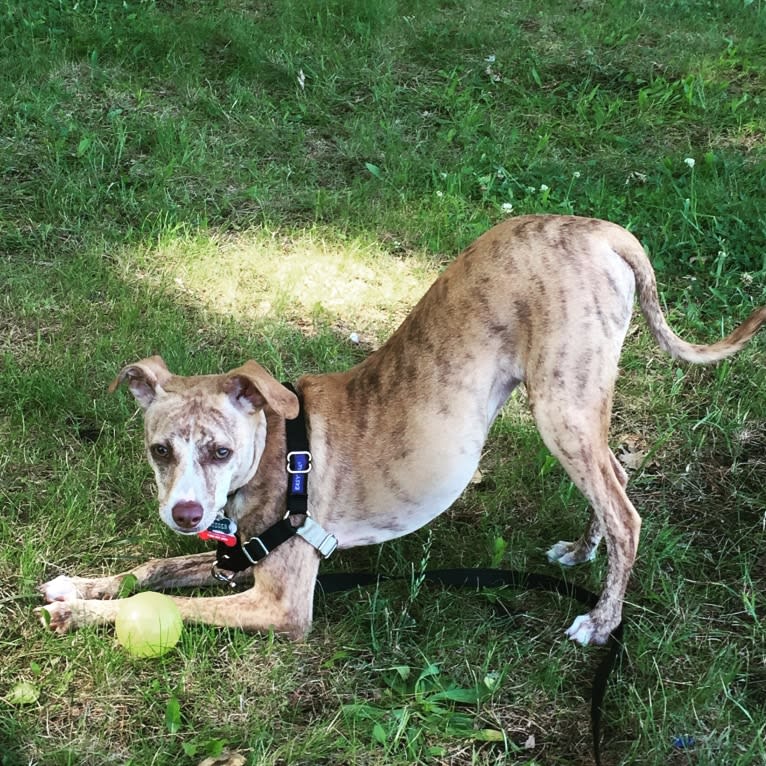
[[62, 588], [65, 588], [56, 616], [585, 630], [569, 554]]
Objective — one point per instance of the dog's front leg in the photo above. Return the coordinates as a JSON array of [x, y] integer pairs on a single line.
[[281, 599], [251, 610], [179, 572], [74, 601]]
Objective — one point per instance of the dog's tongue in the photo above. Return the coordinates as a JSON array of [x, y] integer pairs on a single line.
[[221, 530]]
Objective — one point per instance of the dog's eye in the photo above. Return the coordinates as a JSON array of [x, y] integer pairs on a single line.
[[221, 453], [160, 451]]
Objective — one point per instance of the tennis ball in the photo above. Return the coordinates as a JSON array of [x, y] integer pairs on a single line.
[[148, 624]]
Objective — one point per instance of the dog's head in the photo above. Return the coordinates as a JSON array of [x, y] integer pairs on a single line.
[[204, 434]]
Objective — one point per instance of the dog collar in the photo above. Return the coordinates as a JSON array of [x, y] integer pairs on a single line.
[[235, 556]]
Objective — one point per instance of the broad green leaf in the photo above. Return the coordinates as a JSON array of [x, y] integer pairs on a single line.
[[379, 734], [462, 696], [173, 715], [23, 693], [489, 735]]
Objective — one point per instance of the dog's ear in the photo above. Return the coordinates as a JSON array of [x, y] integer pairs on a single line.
[[251, 387], [145, 379]]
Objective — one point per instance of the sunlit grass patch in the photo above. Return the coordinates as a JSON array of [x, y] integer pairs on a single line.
[[314, 278]]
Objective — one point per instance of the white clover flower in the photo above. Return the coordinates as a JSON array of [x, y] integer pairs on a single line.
[[690, 161], [544, 187], [576, 174], [440, 193], [507, 207]]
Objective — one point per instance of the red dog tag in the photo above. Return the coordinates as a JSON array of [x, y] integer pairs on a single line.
[[222, 530]]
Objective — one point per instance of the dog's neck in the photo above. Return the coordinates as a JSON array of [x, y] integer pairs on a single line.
[[261, 502]]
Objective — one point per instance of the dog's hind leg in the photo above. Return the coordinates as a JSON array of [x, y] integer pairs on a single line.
[[584, 549], [576, 435]]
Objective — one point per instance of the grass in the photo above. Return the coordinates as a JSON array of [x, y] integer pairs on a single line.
[[224, 180]]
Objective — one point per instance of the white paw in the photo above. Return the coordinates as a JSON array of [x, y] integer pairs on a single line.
[[561, 553], [56, 616], [62, 588], [585, 631], [566, 554]]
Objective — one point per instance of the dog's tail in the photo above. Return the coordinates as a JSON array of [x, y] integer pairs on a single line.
[[631, 251]]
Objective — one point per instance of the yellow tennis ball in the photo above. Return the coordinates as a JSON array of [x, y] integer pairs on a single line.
[[148, 624]]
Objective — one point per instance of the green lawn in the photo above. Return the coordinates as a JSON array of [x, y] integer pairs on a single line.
[[222, 180]]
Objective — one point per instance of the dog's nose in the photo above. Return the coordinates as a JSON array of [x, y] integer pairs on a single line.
[[187, 514]]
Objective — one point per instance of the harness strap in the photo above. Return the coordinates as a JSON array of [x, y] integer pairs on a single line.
[[242, 556], [298, 459], [237, 556]]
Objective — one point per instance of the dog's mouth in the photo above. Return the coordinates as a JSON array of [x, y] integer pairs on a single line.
[[188, 517], [187, 532]]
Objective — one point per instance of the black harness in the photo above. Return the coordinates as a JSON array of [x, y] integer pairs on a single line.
[[234, 556]]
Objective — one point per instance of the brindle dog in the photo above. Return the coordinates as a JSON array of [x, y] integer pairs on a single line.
[[542, 300]]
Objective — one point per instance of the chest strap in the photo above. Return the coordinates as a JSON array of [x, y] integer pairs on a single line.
[[241, 555]]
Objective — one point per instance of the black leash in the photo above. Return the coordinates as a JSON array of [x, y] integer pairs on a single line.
[[493, 578]]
